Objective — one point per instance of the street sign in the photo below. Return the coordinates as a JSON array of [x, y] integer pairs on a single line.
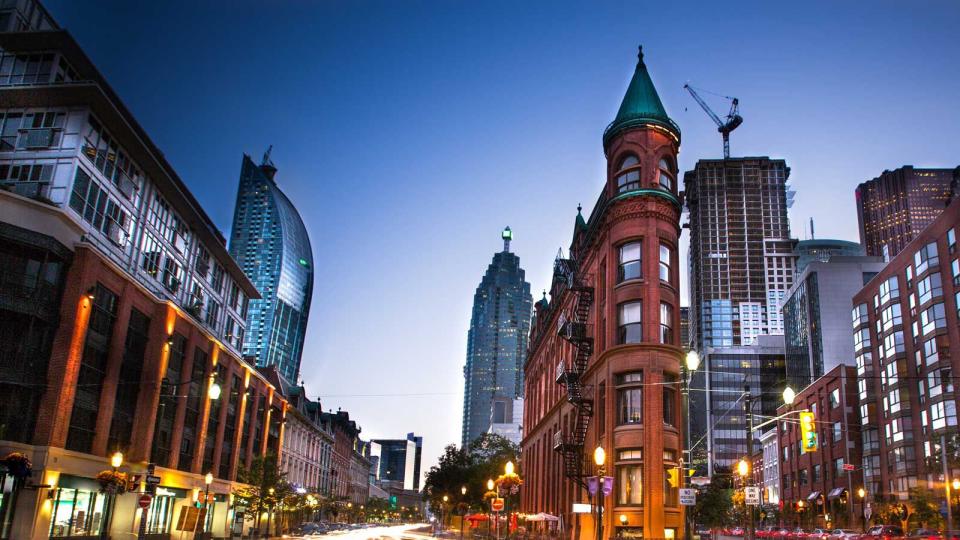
[[868, 511], [849, 467], [582, 508], [496, 504], [152, 480], [144, 500], [700, 480], [751, 495], [688, 496]]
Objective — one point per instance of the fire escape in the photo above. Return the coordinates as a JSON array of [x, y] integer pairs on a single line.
[[575, 331]]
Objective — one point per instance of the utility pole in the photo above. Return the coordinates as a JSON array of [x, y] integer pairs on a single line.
[[747, 405]]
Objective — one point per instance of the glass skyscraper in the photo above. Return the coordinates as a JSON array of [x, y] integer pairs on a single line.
[[271, 244], [497, 340]]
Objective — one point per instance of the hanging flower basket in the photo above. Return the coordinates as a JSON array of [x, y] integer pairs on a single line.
[[18, 465], [112, 482], [511, 482]]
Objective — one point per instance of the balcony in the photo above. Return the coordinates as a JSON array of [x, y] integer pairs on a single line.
[[37, 138], [39, 191]]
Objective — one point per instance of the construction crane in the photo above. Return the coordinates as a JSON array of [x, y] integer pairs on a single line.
[[733, 118]]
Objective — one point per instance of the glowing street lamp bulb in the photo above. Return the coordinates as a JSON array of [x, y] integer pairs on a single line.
[[693, 361], [789, 395], [445, 498], [862, 493], [490, 484], [956, 484], [214, 391], [116, 460], [463, 490], [508, 468], [623, 519], [208, 479], [599, 456], [743, 468]]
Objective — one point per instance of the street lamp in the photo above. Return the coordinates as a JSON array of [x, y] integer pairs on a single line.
[[691, 363], [789, 396], [214, 390], [463, 508], [743, 469], [508, 468], [600, 458], [207, 480], [116, 460]]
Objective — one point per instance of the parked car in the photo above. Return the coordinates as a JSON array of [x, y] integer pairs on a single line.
[[737, 531], [844, 534], [818, 534], [924, 534], [797, 534], [884, 532], [768, 532]]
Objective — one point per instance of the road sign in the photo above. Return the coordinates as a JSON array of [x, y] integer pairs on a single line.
[[144, 500], [868, 511], [688, 496], [849, 467], [496, 504], [152, 480], [752, 495], [582, 508]]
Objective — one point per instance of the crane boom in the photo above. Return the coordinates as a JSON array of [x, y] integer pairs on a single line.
[[703, 105], [733, 118]]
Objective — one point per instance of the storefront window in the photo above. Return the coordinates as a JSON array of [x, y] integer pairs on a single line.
[[160, 513], [76, 512]]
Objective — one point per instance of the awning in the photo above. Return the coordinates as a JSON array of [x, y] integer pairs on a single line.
[[836, 492], [477, 517], [814, 495]]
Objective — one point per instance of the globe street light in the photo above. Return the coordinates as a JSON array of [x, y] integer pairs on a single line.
[[691, 363], [863, 507], [116, 460], [693, 360], [463, 508], [743, 468], [789, 395], [508, 468], [600, 458], [207, 480]]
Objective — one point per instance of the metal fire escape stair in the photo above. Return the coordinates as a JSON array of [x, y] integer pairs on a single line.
[[571, 445]]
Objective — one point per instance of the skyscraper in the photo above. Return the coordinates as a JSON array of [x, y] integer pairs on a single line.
[[400, 461], [742, 263], [497, 340], [895, 206], [271, 244], [741, 254]]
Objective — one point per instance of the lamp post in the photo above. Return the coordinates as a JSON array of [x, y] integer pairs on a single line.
[[862, 493], [690, 365], [463, 513], [443, 511], [116, 460], [946, 480], [600, 459], [496, 514], [207, 480]]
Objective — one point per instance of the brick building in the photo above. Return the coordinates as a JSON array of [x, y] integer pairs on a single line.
[[895, 206], [120, 309], [604, 361], [350, 462], [905, 327], [820, 478]]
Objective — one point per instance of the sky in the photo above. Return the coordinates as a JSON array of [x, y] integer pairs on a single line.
[[409, 133]]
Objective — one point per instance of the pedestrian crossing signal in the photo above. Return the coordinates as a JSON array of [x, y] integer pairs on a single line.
[[808, 433]]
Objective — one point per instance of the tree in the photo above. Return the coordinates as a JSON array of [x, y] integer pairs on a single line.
[[714, 505], [469, 467], [924, 509], [264, 486]]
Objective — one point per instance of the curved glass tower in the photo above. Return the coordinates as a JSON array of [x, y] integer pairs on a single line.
[[271, 244]]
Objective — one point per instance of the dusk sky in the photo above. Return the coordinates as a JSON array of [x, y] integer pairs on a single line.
[[410, 133]]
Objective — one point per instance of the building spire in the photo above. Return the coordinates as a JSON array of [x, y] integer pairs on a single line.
[[641, 106], [507, 236]]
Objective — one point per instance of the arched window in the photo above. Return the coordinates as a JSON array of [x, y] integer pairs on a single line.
[[628, 176], [666, 177]]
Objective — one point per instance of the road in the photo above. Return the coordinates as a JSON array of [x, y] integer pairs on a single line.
[[387, 532]]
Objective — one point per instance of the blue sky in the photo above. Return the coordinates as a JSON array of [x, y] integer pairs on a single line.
[[410, 133]]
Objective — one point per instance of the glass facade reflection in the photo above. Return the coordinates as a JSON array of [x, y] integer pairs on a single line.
[[270, 243]]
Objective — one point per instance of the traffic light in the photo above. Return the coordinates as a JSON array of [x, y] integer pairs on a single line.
[[673, 476], [808, 433]]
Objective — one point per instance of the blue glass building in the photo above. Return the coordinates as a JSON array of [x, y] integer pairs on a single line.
[[497, 340], [271, 244]]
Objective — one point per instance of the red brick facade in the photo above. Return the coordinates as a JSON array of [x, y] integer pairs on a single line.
[[649, 442]]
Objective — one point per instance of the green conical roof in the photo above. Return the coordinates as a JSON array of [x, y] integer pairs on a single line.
[[641, 106]]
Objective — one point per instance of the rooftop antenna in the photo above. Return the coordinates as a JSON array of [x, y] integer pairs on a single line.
[[812, 236]]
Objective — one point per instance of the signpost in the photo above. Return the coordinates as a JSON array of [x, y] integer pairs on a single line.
[[152, 482], [751, 495], [688, 496], [497, 504]]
